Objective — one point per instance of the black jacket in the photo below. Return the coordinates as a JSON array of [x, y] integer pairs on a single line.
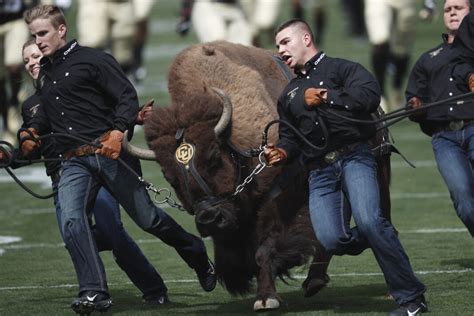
[[352, 92], [432, 80], [84, 92]]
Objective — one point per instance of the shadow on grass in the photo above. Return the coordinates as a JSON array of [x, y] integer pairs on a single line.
[[465, 263], [363, 299]]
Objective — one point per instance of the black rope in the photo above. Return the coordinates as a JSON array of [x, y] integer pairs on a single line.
[[394, 116], [298, 133], [8, 159], [24, 187]]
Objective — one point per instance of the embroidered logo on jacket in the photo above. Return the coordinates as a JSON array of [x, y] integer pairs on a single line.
[[34, 109], [435, 52], [292, 93]]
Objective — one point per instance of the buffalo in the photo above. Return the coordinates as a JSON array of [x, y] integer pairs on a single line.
[[207, 143]]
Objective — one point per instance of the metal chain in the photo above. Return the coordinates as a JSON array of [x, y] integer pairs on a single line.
[[259, 168], [167, 199]]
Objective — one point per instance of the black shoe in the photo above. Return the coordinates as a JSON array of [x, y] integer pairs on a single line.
[[91, 301], [160, 299], [415, 307], [207, 276]]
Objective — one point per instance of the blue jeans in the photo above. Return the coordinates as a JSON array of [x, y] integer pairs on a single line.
[[81, 179], [454, 153], [109, 234], [349, 187]]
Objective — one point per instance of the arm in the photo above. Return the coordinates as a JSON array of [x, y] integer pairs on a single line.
[[115, 85], [118, 89], [358, 91], [288, 141], [417, 91]]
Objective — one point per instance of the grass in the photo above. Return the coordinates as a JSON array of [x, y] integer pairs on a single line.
[[37, 277]]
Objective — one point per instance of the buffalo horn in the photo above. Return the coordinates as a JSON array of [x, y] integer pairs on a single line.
[[140, 153], [226, 112]]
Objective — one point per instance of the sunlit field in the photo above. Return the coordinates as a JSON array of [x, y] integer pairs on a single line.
[[37, 276]]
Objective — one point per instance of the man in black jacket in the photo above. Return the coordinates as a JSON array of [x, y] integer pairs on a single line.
[[85, 93], [450, 126], [342, 170]]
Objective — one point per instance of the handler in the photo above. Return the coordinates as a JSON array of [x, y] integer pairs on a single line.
[[85, 93], [342, 177], [451, 127]]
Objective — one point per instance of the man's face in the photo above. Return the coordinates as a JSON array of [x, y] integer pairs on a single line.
[[48, 38], [454, 12], [292, 47]]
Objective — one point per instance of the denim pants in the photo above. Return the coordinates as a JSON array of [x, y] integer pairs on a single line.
[[109, 234], [454, 153], [349, 187], [81, 179]]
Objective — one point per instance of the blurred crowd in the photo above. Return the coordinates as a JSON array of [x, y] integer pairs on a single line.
[[121, 27]]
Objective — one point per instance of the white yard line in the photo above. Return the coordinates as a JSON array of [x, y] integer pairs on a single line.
[[444, 230], [299, 277]]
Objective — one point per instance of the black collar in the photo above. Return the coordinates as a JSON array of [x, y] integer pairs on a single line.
[[311, 64], [64, 51]]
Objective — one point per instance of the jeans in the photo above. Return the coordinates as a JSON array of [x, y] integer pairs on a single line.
[[109, 234], [349, 187], [81, 179], [454, 153]]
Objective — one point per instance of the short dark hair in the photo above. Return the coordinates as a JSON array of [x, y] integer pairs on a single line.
[[469, 2], [300, 23]]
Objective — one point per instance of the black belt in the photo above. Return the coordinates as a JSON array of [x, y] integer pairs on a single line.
[[332, 156], [452, 126]]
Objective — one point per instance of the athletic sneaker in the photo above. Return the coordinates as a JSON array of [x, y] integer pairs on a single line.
[[415, 307], [207, 276], [91, 301], [161, 299]]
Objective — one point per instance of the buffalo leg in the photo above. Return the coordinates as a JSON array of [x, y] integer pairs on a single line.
[[317, 275], [267, 298]]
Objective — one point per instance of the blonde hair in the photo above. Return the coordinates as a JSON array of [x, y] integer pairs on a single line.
[[29, 42], [50, 12]]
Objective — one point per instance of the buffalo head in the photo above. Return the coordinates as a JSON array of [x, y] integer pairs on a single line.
[[196, 161]]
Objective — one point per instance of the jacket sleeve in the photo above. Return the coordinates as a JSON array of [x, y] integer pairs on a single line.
[[116, 85], [287, 138], [358, 90], [418, 82], [39, 121]]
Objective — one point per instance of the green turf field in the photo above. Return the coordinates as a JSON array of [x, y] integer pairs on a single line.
[[37, 277]]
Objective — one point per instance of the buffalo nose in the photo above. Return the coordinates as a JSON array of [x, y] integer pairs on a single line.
[[208, 217]]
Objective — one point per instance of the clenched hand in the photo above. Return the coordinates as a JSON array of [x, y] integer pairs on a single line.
[[29, 145], [274, 155], [315, 96], [111, 144]]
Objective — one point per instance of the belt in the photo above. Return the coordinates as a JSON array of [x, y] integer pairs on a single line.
[[452, 126], [84, 150], [332, 156]]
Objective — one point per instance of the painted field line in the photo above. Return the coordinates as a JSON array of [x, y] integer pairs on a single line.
[[155, 240], [418, 195], [299, 277]]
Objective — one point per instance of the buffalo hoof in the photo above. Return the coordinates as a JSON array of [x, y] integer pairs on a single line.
[[313, 286], [264, 305]]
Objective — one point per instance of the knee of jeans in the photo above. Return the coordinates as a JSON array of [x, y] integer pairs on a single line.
[[331, 243], [373, 226]]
